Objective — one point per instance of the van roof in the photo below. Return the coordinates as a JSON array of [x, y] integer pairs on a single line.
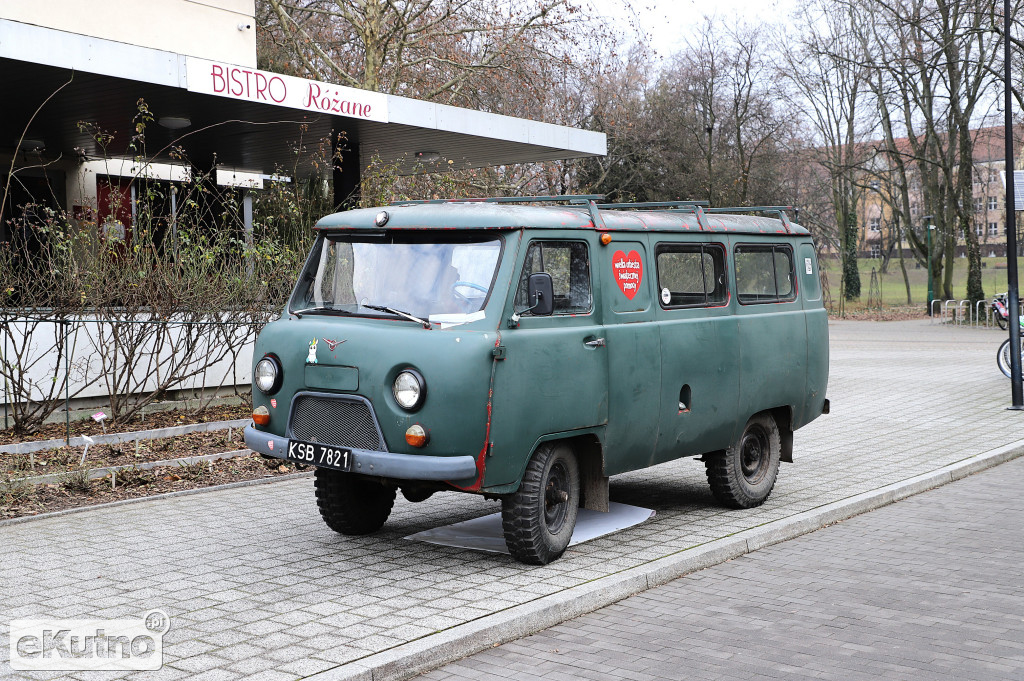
[[475, 215]]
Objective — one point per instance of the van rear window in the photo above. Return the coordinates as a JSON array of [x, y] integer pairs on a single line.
[[764, 274], [691, 275]]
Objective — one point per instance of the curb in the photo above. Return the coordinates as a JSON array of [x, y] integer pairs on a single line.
[[129, 436], [432, 651], [97, 473], [154, 497]]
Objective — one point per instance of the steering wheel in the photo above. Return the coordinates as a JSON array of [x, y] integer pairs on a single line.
[[467, 284]]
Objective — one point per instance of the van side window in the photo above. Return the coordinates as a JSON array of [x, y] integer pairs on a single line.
[[693, 275], [764, 274], [568, 263]]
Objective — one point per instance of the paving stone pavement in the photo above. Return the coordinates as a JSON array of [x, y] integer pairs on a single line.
[[927, 588], [257, 587]]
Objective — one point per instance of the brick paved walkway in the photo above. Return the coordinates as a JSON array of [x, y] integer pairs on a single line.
[[928, 588], [254, 582]]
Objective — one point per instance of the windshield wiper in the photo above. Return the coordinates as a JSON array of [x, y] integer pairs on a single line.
[[322, 309], [399, 313]]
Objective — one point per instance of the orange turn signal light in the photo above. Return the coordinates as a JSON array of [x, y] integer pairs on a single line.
[[416, 436], [606, 239], [261, 416]]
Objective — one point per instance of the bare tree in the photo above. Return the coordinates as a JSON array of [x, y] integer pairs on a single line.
[[828, 85], [931, 65], [452, 50]]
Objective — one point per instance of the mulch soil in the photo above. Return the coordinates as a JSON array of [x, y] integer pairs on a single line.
[[65, 459], [887, 314], [150, 420], [75, 491]]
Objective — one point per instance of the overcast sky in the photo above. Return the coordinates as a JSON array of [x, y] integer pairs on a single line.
[[666, 21]]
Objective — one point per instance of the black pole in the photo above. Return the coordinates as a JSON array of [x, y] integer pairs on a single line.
[[1017, 393]]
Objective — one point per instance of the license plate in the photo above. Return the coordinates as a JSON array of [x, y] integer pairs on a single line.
[[316, 454]]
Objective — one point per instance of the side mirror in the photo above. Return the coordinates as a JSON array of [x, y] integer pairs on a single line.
[[541, 294]]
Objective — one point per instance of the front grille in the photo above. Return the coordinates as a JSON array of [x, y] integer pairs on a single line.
[[335, 421]]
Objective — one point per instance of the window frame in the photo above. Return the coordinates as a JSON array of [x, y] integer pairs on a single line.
[[768, 248], [304, 283], [526, 314], [693, 246]]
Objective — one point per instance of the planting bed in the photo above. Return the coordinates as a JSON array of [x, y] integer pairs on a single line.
[[149, 421], [55, 479], [74, 490]]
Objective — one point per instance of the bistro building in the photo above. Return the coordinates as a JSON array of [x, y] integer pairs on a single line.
[[71, 71]]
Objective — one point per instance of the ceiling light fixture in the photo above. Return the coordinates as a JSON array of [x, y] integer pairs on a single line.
[[174, 122]]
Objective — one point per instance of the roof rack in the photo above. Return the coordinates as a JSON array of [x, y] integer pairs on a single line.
[[778, 210], [655, 204], [566, 198], [699, 208]]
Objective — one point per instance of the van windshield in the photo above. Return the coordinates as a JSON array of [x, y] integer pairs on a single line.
[[443, 281]]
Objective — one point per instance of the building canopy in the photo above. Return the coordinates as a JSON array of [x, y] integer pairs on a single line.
[[238, 117]]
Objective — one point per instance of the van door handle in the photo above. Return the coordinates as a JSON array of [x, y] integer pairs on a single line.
[[595, 343]]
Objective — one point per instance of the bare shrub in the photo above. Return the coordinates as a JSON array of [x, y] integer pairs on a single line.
[[134, 477], [76, 481], [41, 298], [168, 302], [198, 470]]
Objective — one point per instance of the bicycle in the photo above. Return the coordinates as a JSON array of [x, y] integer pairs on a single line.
[[1003, 353]]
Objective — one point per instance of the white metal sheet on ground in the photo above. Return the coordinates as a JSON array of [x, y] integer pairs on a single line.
[[484, 534]]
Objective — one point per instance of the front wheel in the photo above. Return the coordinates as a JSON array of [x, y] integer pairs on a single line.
[[743, 475], [1003, 356], [350, 504], [1000, 320], [538, 519]]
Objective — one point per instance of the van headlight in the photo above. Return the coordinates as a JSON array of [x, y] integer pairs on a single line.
[[409, 389], [267, 375]]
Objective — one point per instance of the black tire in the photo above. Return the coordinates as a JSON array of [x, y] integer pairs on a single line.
[[352, 505], [1000, 321], [538, 519], [1003, 356], [743, 475]]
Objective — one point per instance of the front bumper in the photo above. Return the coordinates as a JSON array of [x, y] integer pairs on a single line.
[[382, 464]]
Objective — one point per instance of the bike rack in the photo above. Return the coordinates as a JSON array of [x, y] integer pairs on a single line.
[[960, 317], [933, 311], [945, 306]]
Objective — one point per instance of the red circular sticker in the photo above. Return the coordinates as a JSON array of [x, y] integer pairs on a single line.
[[629, 272]]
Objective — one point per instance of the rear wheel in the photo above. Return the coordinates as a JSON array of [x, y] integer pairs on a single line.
[[350, 504], [1003, 356], [539, 518], [743, 475]]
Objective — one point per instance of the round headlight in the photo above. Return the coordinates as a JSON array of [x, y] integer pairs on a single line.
[[267, 375], [409, 389]]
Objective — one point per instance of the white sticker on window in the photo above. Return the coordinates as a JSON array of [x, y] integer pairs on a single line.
[[666, 296], [807, 266]]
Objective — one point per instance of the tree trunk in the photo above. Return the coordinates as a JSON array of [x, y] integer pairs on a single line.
[[851, 274]]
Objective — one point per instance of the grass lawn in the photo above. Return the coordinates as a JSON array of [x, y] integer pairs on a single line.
[[894, 292]]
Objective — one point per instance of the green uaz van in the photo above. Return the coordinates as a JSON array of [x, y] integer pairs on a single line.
[[529, 352]]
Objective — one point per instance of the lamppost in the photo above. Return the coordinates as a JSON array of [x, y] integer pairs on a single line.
[[928, 227], [1016, 391]]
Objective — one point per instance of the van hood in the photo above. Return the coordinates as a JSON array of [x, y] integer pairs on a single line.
[[363, 356]]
